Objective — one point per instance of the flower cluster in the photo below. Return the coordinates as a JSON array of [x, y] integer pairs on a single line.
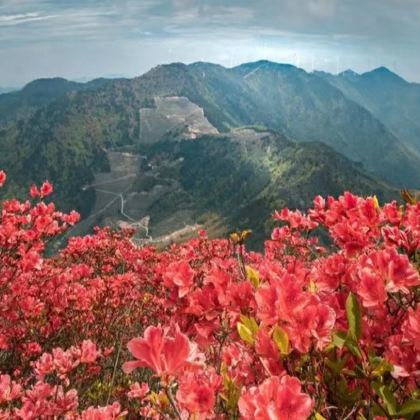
[[324, 324]]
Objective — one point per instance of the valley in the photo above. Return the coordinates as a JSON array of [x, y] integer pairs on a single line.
[[124, 196]]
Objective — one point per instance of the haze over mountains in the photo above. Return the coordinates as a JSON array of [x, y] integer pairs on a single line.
[[388, 97], [204, 145], [7, 89]]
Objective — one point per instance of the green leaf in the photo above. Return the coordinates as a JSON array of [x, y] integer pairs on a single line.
[[346, 395], [339, 339], [312, 288], [336, 366], [281, 339], [253, 276], [387, 397], [245, 333], [353, 347], [354, 316], [231, 393], [319, 417], [250, 323], [410, 407], [380, 366]]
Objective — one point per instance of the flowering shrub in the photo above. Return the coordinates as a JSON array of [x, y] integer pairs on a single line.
[[324, 324]]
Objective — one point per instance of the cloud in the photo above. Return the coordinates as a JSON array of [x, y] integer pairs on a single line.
[[137, 34], [19, 19]]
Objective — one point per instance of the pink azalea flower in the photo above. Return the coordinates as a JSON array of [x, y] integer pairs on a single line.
[[46, 189], [138, 391], [180, 275], [383, 272], [34, 191], [411, 328], [9, 390], [2, 178], [161, 352], [197, 392], [276, 399], [109, 412], [89, 352]]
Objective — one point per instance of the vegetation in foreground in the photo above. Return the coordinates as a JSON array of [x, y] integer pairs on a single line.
[[206, 329]]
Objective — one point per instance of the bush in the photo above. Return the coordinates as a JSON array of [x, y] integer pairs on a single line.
[[206, 329]]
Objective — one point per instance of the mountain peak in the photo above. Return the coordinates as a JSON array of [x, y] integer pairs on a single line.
[[204, 64], [164, 70], [53, 84], [178, 66], [383, 72], [267, 63], [349, 73]]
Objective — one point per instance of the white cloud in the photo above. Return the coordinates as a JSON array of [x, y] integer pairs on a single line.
[[13, 20], [56, 35]]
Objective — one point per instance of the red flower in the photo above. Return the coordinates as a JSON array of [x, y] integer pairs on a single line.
[[160, 352], [110, 412], [402, 356], [396, 269], [180, 275], [196, 392], [276, 399], [9, 390], [268, 352], [34, 191], [411, 328], [3, 178], [384, 271], [46, 189], [138, 391], [89, 352], [372, 290]]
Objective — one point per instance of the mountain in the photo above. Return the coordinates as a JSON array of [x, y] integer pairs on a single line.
[[55, 129], [190, 116], [390, 98], [171, 188], [307, 108], [7, 90], [242, 176], [23, 103], [303, 106]]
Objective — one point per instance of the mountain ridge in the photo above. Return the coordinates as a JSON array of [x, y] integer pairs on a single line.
[[66, 137], [390, 98]]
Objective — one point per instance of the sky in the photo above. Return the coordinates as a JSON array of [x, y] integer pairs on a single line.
[[86, 39]]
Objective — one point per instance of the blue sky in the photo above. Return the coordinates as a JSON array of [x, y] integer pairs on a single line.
[[86, 39]]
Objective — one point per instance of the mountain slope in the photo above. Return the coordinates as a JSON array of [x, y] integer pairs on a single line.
[[310, 109], [282, 97], [244, 175], [63, 137], [38, 93], [7, 90], [393, 100], [170, 189], [64, 140]]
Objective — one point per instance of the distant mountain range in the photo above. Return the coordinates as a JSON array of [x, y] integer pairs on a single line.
[[307, 133], [7, 89], [387, 96]]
